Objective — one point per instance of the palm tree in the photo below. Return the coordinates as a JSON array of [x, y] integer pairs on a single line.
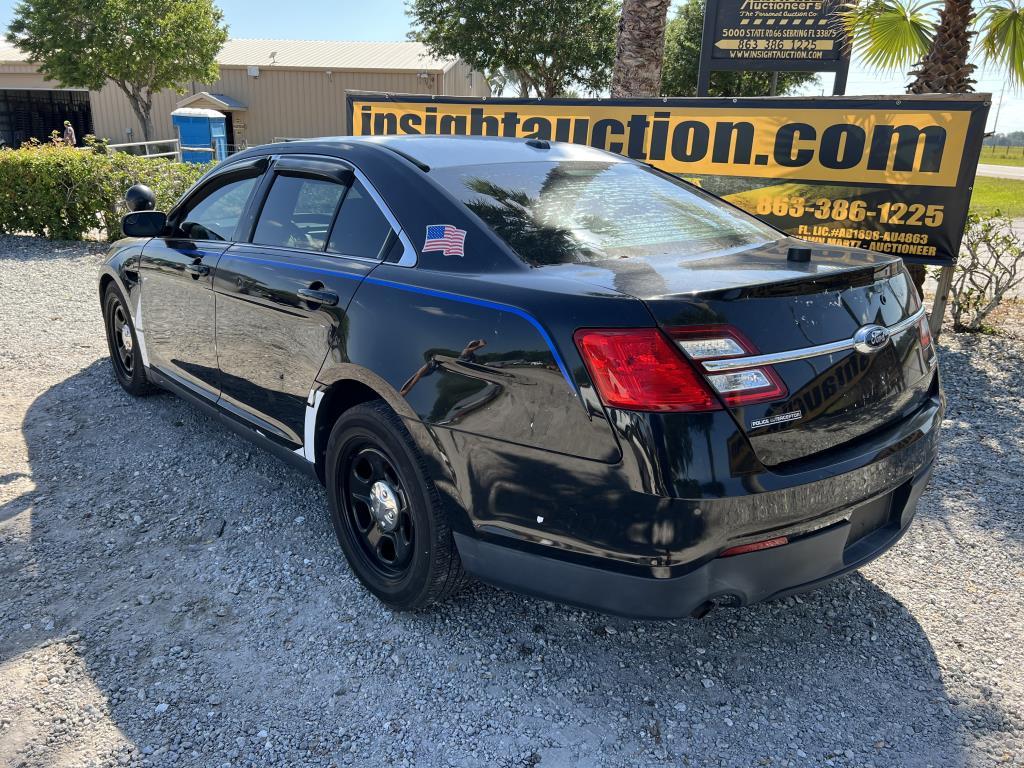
[[639, 48], [893, 34]]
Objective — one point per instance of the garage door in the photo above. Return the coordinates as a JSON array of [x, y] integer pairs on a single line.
[[28, 114]]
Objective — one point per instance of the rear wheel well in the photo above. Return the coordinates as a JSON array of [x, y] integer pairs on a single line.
[[336, 400]]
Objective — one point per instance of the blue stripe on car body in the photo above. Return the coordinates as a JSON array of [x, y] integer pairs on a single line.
[[437, 294]]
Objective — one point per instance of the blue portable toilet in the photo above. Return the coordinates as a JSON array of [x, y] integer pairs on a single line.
[[199, 131]]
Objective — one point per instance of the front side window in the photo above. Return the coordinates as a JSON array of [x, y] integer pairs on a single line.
[[298, 213], [361, 228], [584, 211], [216, 215]]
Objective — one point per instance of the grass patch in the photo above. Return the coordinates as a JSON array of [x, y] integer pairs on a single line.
[[1002, 156], [1006, 195]]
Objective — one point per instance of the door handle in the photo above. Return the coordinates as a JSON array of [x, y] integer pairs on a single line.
[[197, 270], [313, 296]]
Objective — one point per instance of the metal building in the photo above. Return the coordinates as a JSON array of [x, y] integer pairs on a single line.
[[268, 89]]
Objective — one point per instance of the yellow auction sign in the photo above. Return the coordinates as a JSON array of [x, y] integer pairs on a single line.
[[890, 173]]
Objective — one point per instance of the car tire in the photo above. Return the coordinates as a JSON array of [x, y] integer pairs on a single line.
[[386, 511], [123, 344]]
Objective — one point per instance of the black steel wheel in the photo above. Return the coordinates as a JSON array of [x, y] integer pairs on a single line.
[[123, 343], [377, 509], [386, 511]]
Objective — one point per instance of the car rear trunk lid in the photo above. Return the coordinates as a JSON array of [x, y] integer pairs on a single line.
[[808, 314]]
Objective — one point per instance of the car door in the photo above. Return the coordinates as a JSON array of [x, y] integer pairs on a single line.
[[177, 308], [281, 297]]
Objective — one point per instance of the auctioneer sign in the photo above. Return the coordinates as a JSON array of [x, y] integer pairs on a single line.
[[893, 174], [776, 31], [774, 36]]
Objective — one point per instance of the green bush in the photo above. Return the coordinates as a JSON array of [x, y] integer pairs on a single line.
[[64, 193], [990, 268]]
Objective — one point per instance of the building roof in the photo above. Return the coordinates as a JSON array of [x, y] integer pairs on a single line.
[[10, 52], [310, 54], [209, 100], [329, 54]]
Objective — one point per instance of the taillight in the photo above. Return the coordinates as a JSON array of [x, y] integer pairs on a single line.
[[924, 335], [744, 386], [639, 370], [924, 332]]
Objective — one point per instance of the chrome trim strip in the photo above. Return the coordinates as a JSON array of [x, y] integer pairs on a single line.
[[738, 363], [409, 256], [408, 252]]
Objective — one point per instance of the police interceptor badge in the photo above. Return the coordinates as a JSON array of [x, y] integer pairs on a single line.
[[445, 238], [781, 418]]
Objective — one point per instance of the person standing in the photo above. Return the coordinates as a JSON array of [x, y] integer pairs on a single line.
[[69, 134]]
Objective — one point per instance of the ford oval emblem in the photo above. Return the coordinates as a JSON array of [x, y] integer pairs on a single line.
[[870, 338]]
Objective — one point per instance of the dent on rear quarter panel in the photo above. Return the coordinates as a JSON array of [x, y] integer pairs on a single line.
[[463, 366]]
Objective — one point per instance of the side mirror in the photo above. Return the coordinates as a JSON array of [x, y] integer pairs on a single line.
[[144, 223], [139, 197]]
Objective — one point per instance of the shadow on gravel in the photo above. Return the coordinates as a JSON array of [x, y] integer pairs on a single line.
[[198, 582]]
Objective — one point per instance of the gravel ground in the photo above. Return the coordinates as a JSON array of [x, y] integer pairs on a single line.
[[170, 595]]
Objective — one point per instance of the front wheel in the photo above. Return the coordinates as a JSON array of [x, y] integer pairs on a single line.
[[386, 511], [123, 344]]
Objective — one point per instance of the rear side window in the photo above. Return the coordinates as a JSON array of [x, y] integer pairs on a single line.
[[298, 213], [216, 215], [361, 228], [574, 211]]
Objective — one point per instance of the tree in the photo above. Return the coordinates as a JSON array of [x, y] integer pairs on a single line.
[[682, 58], [545, 47], [893, 34], [639, 48], [141, 47], [945, 69]]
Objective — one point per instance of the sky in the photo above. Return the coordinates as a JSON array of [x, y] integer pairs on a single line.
[[386, 20]]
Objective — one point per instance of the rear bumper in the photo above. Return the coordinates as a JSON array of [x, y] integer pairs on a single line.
[[743, 579]]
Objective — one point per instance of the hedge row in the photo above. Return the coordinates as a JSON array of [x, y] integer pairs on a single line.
[[64, 193]]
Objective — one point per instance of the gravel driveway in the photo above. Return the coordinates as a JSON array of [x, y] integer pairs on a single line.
[[170, 595]]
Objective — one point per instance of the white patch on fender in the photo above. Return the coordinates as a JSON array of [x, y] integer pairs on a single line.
[[140, 334], [309, 437]]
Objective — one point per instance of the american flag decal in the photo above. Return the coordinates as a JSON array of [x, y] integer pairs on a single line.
[[445, 238]]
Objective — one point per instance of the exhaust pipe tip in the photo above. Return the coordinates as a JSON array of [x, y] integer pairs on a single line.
[[721, 601], [703, 609]]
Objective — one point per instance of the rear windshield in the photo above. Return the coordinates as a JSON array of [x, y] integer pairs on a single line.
[[575, 211]]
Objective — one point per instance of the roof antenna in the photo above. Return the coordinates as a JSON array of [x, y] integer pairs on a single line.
[[799, 254], [273, 57], [538, 143]]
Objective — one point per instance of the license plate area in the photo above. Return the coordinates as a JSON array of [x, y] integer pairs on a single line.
[[871, 517]]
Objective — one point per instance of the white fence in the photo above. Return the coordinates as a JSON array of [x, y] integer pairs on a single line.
[[159, 148]]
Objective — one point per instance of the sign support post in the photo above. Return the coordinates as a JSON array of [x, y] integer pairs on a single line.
[[941, 298]]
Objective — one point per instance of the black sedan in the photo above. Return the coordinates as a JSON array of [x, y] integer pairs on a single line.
[[545, 365]]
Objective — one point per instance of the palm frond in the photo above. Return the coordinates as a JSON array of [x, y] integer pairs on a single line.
[[891, 34], [1001, 38]]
